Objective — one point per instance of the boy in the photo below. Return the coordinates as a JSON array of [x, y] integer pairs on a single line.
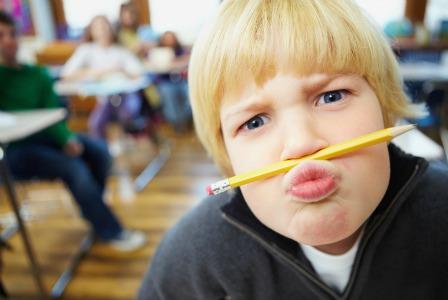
[[277, 80], [80, 162]]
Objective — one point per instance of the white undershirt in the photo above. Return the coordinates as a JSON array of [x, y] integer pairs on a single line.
[[334, 270]]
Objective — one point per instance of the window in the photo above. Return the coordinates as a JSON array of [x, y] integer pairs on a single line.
[[78, 13], [436, 11], [183, 17], [383, 11]]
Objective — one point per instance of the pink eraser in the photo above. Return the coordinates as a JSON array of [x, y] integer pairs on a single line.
[[209, 190]]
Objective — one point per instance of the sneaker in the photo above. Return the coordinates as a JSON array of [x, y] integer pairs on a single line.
[[128, 240]]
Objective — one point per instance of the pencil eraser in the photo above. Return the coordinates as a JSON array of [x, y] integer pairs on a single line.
[[209, 190]]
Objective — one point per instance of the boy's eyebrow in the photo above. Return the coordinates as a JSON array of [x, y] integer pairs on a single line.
[[254, 102], [321, 81]]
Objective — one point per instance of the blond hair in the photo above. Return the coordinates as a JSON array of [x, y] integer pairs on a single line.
[[258, 38]]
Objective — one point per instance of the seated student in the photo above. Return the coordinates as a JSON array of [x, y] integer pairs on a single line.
[[56, 152], [172, 86], [101, 57], [139, 39], [277, 80], [128, 32]]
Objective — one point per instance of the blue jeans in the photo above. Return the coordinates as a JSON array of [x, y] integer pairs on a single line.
[[175, 102], [85, 176], [122, 107]]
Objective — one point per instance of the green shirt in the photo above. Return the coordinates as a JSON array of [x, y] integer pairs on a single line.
[[31, 87]]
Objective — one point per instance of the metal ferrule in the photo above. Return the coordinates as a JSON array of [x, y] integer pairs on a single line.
[[220, 186]]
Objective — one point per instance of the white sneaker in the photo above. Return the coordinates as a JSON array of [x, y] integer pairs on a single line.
[[128, 240]]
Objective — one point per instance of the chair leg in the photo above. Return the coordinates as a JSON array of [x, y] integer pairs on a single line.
[[154, 166], [12, 196], [3, 291], [60, 285], [444, 137], [9, 232], [443, 115]]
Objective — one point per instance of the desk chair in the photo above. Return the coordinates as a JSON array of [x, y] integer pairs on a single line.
[[26, 123], [431, 92], [44, 208], [443, 115], [146, 125], [435, 96], [3, 246]]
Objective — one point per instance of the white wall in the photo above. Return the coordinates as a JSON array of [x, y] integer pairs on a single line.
[[185, 17], [44, 31], [43, 20]]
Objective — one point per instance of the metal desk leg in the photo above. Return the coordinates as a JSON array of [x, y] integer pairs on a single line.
[[154, 166], [60, 285], [12, 196]]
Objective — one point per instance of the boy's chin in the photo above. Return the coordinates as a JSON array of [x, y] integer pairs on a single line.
[[330, 240], [332, 235], [317, 224], [317, 241]]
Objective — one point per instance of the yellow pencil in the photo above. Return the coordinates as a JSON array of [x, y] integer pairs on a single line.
[[332, 151]]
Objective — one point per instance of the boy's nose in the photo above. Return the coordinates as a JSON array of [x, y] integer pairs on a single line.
[[302, 140]]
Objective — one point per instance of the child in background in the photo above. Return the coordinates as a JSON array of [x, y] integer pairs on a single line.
[[139, 40], [173, 86], [277, 80], [98, 58], [81, 162], [128, 31]]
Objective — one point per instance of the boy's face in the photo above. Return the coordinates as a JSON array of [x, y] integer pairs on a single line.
[[8, 42], [319, 203]]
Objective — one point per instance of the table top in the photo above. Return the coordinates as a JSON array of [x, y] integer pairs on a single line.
[[424, 71], [21, 124], [418, 144], [105, 87]]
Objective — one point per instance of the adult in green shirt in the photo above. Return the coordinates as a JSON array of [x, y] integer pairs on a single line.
[[56, 152]]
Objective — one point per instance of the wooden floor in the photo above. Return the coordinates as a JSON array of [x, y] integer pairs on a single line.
[[105, 274]]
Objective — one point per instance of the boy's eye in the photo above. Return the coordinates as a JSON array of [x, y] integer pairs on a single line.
[[331, 96], [255, 122]]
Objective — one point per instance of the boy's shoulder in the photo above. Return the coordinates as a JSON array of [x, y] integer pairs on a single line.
[[437, 173], [24, 69], [428, 200], [201, 253], [35, 71], [423, 183], [204, 229], [433, 184]]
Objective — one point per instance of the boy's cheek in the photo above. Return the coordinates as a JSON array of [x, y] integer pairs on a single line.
[[267, 203], [248, 157], [363, 160], [365, 180]]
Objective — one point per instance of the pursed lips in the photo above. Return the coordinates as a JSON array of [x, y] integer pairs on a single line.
[[312, 181]]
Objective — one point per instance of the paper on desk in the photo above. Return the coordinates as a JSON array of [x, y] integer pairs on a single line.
[[113, 85], [7, 119]]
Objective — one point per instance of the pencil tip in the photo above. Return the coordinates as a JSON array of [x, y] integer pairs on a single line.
[[402, 129]]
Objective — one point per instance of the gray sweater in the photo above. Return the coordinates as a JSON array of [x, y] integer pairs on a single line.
[[219, 250]]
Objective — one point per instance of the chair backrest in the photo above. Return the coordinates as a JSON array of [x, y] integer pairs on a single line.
[[56, 53]]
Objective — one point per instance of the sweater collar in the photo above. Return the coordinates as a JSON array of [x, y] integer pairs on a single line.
[[402, 179]]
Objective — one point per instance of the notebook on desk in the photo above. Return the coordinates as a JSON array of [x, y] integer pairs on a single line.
[[6, 119]]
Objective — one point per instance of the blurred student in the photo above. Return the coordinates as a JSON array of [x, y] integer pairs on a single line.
[[139, 39], [130, 34], [100, 57], [81, 162], [173, 86]]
